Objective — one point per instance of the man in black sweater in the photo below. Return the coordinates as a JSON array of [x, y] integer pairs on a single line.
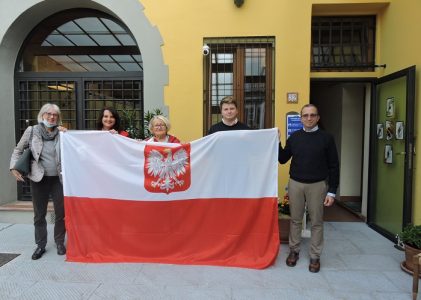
[[314, 178], [229, 114]]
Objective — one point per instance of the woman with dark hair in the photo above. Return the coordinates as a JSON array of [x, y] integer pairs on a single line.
[[43, 140], [109, 120]]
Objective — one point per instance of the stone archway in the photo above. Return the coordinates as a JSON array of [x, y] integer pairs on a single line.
[[17, 23]]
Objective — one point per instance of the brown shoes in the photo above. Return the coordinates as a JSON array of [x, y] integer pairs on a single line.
[[292, 259], [314, 265]]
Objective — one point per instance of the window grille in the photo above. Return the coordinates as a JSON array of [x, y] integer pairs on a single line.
[[343, 43], [123, 95], [243, 68]]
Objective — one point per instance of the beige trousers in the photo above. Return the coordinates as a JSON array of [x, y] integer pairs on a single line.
[[314, 195]]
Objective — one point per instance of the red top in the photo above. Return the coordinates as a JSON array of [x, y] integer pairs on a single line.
[[171, 139], [124, 133]]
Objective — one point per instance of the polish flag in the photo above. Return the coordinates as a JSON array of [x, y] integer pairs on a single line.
[[209, 202]]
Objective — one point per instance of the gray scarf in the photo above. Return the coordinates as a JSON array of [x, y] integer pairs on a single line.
[[45, 134]]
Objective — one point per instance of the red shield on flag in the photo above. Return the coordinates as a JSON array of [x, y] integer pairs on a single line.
[[167, 169]]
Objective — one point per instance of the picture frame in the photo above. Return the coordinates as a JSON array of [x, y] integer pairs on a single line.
[[400, 130], [380, 131], [388, 154], [390, 107], [292, 97], [389, 128]]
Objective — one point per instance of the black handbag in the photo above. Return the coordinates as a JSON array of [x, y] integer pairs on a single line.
[[23, 164]]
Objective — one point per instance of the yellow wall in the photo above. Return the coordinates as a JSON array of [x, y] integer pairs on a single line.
[[183, 25]]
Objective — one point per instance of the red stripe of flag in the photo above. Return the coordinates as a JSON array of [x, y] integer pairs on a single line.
[[223, 232]]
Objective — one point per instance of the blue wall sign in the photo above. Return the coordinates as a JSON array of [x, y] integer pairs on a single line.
[[293, 123]]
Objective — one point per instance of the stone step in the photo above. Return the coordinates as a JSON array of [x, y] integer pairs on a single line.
[[22, 212]]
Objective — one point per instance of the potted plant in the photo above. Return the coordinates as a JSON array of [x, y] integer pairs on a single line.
[[411, 238], [284, 219], [133, 126]]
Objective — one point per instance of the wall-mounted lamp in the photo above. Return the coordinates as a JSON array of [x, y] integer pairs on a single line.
[[380, 66], [238, 3]]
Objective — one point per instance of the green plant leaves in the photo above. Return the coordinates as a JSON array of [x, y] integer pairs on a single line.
[[411, 235], [131, 123]]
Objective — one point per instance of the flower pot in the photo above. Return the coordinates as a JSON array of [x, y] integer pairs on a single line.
[[408, 264], [284, 225]]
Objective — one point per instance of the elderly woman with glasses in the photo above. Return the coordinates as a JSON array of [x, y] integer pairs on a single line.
[[43, 140], [159, 127]]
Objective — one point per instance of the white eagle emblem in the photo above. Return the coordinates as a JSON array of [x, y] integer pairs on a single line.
[[167, 168]]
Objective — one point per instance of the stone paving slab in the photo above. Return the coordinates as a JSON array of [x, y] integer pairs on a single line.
[[351, 269]]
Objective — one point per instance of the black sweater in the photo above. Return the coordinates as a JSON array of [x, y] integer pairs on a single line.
[[314, 158], [222, 127]]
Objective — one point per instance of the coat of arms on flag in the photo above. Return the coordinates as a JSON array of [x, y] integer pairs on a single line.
[[167, 169]]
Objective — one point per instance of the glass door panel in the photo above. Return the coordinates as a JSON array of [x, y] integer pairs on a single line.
[[390, 154]]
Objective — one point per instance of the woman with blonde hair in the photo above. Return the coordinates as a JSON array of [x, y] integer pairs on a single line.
[[159, 127]]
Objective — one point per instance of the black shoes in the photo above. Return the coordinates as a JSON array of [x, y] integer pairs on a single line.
[[292, 259], [61, 249], [38, 253]]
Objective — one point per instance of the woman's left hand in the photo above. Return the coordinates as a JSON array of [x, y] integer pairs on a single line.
[[61, 128], [17, 175], [113, 131]]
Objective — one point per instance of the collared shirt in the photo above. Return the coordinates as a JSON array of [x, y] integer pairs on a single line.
[[235, 122], [315, 128]]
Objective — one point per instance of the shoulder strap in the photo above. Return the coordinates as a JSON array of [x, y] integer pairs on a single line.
[[30, 137]]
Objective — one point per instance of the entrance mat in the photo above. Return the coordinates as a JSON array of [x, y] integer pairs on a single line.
[[354, 206], [337, 213], [6, 257]]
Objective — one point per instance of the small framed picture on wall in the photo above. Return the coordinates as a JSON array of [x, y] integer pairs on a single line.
[[390, 107], [389, 130], [388, 154], [380, 131], [400, 130]]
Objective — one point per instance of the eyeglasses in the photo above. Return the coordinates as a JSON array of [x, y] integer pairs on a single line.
[[52, 115], [159, 126], [309, 115]]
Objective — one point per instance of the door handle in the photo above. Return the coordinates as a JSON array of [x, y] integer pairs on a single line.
[[401, 153]]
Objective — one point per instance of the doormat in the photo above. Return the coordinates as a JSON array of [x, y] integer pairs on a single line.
[[6, 257]]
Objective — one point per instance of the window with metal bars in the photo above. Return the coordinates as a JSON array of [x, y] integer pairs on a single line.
[[123, 95], [243, 68], [82, 60], [33, 94], [343, 43]]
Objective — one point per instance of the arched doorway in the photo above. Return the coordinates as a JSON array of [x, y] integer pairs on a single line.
[[82, 60]]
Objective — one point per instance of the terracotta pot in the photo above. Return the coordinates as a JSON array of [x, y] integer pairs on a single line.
[[284, 225], [409, 254]]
